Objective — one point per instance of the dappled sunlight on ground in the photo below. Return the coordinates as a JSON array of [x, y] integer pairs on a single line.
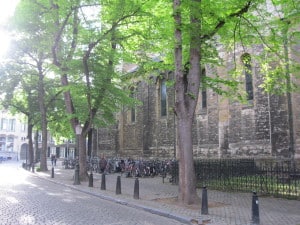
[[27, 219], [12, 200], [12, 175]]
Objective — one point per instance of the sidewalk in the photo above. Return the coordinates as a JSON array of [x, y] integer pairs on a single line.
[[160, 198]]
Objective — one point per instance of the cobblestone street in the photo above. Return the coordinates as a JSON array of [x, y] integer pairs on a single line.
[[39, 198], [27, 199]]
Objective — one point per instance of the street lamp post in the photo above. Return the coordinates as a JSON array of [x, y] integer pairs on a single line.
[[78, 130]]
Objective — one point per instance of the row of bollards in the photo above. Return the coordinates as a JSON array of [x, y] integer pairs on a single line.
[[136, 191], [254, 211], [28, 167], [204, 204], [103, 182], [76, 176]]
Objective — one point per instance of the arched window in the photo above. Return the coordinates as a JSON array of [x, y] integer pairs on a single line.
[[163, 98], [246, 60]]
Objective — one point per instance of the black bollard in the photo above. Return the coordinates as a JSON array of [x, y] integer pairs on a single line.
[[255, 209], [91, 179], [76, 176], [136, 192], [204, 206], [164, 176], [103, 183], [52, 172], [118, 187], [33, 167]]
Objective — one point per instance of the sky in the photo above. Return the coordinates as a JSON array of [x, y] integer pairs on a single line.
[[6, 10]]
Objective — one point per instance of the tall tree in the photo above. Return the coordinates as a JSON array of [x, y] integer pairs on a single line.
[[34, 56], [188, 52], [19, 96], [83, 49]]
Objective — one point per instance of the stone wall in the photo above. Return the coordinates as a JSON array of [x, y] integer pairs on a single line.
[[224, 128], [295, 99]]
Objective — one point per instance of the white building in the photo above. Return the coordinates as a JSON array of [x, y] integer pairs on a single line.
[[13, 133], [14, 142]]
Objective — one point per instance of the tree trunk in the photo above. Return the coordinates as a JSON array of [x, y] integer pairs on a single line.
[[90, 143], [61, 64], [36, 143], [187, 85], [44, 122], [82, 157], [30, 143], [187, 179]]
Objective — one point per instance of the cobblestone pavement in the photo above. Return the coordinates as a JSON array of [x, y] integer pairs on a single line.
[[158, 197], [28, 199]]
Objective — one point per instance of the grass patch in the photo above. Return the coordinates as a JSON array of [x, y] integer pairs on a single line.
[[265, 185]]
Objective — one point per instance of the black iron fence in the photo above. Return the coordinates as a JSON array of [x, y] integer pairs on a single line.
[[266, 177]]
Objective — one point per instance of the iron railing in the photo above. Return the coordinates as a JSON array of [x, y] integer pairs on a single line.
[[266, 177]]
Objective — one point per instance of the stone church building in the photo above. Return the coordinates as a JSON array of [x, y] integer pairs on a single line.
[[267, 125]]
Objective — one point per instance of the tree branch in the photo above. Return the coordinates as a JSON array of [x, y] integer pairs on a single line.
[[221, 23]]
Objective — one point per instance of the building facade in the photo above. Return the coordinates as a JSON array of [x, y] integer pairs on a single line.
[[266, 125], [14, 141], [13, 137]]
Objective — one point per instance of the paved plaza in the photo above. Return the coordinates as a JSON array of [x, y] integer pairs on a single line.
[[156, 197], [26, 199], [159, 197]]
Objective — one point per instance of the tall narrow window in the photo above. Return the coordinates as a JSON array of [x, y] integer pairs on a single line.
[[132, 114], [11, 124], [203, 90], [3, 124], [23, 127], [246, 59], [163, 98], [51, 140], [132, 111]]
